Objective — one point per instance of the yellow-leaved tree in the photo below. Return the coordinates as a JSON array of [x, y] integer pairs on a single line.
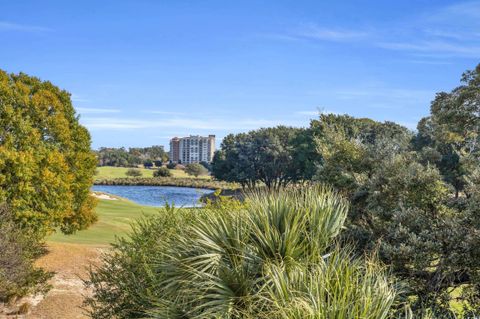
[[46, 164]]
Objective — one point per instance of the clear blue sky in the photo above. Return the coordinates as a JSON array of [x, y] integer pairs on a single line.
[[142, 71]]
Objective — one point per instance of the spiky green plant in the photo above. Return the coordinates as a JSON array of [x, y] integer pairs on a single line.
[[339, 287], [274, 259]]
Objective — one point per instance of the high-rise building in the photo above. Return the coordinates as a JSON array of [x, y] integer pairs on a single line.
[[175, 149], [192, 149]]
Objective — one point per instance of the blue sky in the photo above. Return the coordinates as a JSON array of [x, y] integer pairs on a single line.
[[143, 71]]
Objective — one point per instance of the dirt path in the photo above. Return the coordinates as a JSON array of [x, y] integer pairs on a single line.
[[69, 262]]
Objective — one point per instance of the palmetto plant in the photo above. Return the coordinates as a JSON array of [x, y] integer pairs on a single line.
[[274, 259]]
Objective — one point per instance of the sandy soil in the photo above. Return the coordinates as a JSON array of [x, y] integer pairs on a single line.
[[103, 196], [70, 263]]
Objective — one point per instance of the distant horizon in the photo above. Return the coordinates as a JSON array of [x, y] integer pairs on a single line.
[[141, 72]]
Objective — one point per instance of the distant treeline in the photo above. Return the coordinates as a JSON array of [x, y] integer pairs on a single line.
[[134, 156]]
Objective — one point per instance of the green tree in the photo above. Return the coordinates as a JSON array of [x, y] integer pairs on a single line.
[[266, 155], [453, 130], [403, 208], [148, 163], [195, 169], [350, 148], [234, 162], [118, 157], [46, 165]]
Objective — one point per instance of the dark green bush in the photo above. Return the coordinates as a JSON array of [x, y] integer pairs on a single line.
[[196, 169], [133, 172], [162, 172]]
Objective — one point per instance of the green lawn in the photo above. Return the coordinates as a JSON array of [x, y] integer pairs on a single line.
[[105, 172], [114, 218]]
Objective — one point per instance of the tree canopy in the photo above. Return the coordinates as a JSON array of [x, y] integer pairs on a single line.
[[46, 165], [109, 156], [266, 155]]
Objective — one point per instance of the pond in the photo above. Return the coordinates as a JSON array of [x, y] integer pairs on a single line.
[[156, 195]]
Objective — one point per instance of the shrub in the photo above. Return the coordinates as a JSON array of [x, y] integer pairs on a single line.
[[275, 257], [134, 172], [19, 249], [126, 284], [148, 164], [171, 165], [162, 172], [196, 169], [207, 165]]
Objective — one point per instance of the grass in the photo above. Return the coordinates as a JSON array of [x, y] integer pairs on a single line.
[[114, 219], [106, 172]]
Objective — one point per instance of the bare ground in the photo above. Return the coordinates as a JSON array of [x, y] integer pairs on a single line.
[[70, 263]]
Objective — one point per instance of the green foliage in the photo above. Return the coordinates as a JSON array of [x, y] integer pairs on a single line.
[[121, 157], [349, 148], [148, 164], [19, 250], [267, 155], [171, 165], [162, 172], [46, 165], [453, 130], [402, 208], [196, 169], [223, 202], [118, 157], [126, 284], [275, 257], [335, 287], [133, 172], [207, 165]]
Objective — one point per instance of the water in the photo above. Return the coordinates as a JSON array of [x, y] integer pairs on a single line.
[[156, 195]]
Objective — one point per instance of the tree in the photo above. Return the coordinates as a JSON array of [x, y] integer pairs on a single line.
[[232, 163], [349, 148], [266, 155], [148, 164], [162, 172], [131, 157], [196, 169], [453, 130], [403, 208], [133, 172], [46, 165], [118, 157]]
